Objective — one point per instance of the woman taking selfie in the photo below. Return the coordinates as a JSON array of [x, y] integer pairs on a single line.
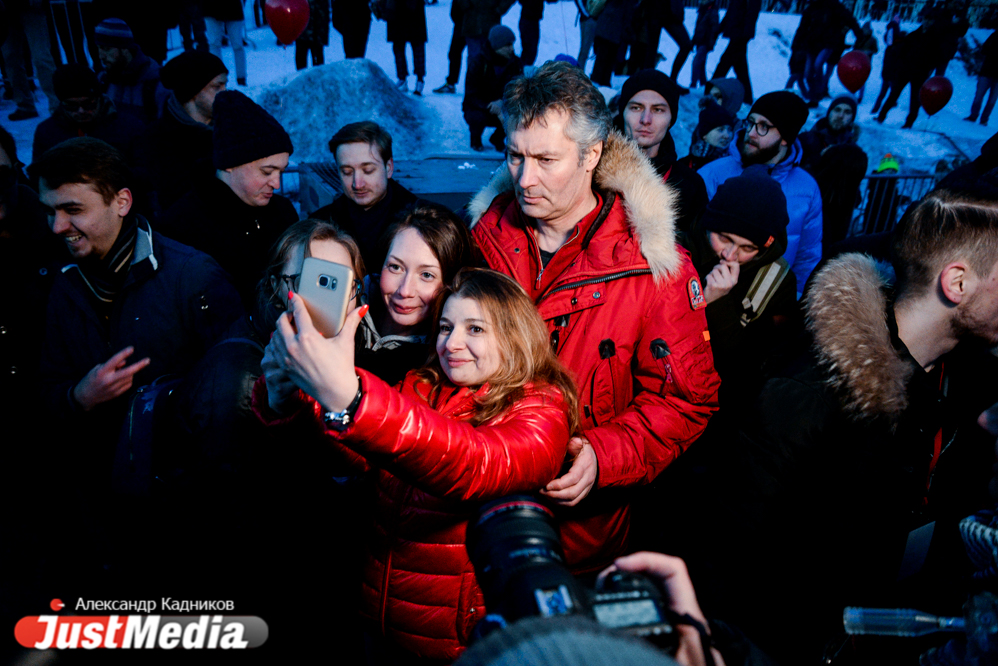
[[490, 415]]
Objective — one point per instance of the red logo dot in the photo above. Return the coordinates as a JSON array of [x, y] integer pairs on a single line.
[[57, 605]]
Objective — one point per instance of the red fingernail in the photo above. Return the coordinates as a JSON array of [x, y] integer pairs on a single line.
[[272, 334], [291, 295], [363, 310]]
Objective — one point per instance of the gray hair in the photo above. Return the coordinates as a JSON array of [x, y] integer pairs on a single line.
[[560, 86]]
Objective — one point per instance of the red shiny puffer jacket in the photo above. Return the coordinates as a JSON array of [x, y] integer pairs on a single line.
[[434, 470]]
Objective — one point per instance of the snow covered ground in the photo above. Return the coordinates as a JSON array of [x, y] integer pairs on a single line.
[[271, 67]]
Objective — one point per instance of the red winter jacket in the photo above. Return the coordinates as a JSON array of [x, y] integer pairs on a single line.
[[434, 469], [620, 299]]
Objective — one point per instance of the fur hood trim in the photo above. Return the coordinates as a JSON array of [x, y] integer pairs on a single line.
[[649, 202], [847, 314]]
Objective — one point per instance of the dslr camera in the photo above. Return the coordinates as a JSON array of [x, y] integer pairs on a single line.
[[520, 565]]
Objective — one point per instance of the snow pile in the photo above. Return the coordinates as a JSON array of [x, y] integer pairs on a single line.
[[317, 102]]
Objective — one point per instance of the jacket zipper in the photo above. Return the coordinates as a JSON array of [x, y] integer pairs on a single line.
[[596, 280]]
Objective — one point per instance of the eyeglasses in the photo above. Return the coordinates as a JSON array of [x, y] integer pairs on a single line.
[[761, 128], [293, 281]]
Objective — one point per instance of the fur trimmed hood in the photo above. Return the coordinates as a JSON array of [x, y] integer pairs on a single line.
[[649, 202], [846, 311]]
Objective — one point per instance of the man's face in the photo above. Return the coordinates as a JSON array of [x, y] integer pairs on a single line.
[[720, 137], [363, 173], [81, 110], [756, 148], [840, 117], [732, 247], [977, 317], [254, 183], [647, 117], [507, 51], [80, 217], [550, 179], [111, 57], [205, 98]]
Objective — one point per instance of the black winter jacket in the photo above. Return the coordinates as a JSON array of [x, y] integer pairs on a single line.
[[175, 304], [175, 154], [120, 130], [238, 236], [367, 226]]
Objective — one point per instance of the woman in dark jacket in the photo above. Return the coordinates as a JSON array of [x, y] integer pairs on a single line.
[[407, 24]]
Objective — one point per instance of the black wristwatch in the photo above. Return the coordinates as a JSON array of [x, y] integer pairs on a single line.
[[340, 421]]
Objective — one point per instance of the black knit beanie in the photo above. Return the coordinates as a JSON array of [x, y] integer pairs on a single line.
[[785, 110], [712, 117], [188, 73], [244, 132], [843, 99], [752, 206], [75, 80], [651, 79]]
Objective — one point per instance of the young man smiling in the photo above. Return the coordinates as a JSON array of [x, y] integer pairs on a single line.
[[770, 138], [236, 216], [134, 306]]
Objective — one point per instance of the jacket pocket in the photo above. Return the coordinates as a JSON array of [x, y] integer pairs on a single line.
[[605, 386], [689, 366]]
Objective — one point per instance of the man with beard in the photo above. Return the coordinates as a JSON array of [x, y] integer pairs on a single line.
[[769, 137], [837, 128], [130, 76]]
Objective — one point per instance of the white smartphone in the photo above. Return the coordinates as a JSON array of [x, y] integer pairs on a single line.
[[326, 289]]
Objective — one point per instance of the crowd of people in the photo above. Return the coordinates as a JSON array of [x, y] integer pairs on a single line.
[[683, 355]]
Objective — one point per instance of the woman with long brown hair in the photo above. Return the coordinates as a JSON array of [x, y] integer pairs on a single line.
[[490, 415]]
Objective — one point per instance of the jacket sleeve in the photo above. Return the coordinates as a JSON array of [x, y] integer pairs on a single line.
[[304, 419], [453, 459], [809, 248], [675, 390]]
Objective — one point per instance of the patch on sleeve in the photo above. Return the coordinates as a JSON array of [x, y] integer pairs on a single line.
[[697, 300]]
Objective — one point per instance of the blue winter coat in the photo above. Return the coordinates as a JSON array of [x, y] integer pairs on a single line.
[[803, 205]]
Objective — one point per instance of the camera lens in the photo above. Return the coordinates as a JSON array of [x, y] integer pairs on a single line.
[[518, 560], [323, 280]]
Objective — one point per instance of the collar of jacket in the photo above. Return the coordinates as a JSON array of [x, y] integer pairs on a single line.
[[778, 171], [650, 204], [847, 313], [144, 261], [179, 114]]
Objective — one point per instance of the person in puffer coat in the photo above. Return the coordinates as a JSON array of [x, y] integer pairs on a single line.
[[488, 417], [621, 300]]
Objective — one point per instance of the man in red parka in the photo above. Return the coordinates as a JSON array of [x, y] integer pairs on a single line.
[[586, 226]]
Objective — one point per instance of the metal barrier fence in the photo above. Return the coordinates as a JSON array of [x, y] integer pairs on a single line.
[[884, 199]]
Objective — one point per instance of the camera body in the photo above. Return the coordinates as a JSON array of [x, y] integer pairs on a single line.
[[520, 566]]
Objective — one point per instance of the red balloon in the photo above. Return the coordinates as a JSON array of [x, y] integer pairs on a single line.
[[854, 70], [287, 18], [935, 94]]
